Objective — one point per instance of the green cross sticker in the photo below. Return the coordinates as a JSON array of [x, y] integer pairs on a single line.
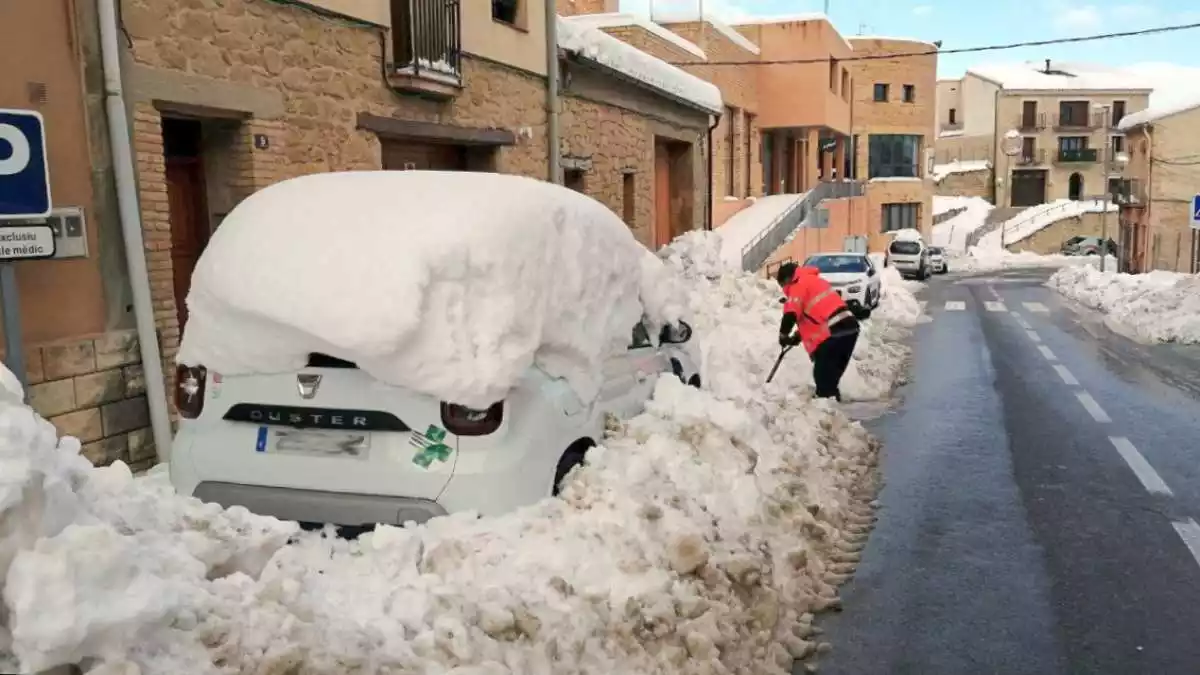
[[431, 447]]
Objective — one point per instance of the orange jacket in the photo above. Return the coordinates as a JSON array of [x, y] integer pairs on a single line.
[[814, 306]]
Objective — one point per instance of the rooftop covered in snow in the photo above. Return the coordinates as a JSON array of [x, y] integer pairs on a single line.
[[1059, 76], [718, 25], [592, 44], [624, 20], [1157, 112]]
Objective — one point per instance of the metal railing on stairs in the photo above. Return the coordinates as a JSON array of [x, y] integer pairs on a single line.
[[802, 212]]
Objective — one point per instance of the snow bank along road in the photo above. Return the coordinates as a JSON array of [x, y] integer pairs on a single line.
[[1041, 498], [700, 540]]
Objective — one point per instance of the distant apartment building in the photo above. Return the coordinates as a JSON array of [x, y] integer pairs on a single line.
[[1160, 182], [1061, 119]]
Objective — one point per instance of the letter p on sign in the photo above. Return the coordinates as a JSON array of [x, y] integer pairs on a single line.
[[24, 171]]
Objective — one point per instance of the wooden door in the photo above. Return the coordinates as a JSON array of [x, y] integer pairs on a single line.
[[405, 155], [1028, 188], [662, 196], [190, 230], [1029, 115]]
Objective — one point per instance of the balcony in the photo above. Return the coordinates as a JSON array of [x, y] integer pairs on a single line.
[[1077, 156], [427, 47], [1129, 192], [951, 126], [1035, 157], [1079, 122], [1034, 122]]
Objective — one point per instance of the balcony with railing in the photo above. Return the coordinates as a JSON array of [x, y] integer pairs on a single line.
[[1130, 192], [1031, 122], [1077, 155], [427, 47], [1079, 122], [1030, 157]]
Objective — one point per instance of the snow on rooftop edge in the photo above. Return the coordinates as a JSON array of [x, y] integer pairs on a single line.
[[1156, 113], [892, 39], [1029, 76], [596, 45], [619, 20], [721, 27], [394, 271]]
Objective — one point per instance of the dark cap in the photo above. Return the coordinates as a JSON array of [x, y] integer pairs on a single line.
[[786, 272]]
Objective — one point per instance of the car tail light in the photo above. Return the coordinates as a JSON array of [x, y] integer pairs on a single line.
[[463, 421], [189, 390]]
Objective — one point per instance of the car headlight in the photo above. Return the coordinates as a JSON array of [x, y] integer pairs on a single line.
[[854, 289]]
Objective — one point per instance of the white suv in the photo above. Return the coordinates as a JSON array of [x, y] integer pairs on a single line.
[[330, 444]]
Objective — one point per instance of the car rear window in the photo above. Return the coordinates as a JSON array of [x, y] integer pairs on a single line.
[[934, 250], [837, 264], [905, 247], [318, 360]]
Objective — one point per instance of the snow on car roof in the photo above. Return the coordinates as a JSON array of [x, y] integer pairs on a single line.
[[450, 284]]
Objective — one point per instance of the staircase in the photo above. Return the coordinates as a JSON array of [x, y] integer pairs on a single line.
[[801, 214], [995, 218]]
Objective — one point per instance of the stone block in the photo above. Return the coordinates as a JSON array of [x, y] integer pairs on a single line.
[[135, 381], [119, 348], [86, 425], [34, 372], [95, 389], [53, 398], [67, 360], [141, 446], [107, 451], [126, 415]]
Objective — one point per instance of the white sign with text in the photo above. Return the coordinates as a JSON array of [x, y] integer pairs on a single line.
[[26, 242]]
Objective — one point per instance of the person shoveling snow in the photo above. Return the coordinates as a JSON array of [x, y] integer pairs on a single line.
[[823, 324]]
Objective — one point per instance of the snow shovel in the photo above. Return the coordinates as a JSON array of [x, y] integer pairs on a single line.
[[782, 353]]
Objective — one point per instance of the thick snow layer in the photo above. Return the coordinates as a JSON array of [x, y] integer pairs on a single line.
[[747, 225], [729, 32], [596, 45], [952, 234], [1065, 76], [455, 298], [1176, 89], [1157, 112], [979, 259], [617, 20], [1154, 307], [907, 234], [699, 539], [1037, 218], [895, 179], [940, 171]]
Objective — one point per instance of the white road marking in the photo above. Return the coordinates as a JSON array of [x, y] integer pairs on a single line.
[[995, 306], [955, 305], [1067, 377], [1189, 532], [1023, 323], [1047, 353], [1141, 468], [1033, 335], [1093, 408], [1037, 307]]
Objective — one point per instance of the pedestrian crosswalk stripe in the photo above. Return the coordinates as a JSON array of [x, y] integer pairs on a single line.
[[955, 305], [995, 306], [1037, 307]]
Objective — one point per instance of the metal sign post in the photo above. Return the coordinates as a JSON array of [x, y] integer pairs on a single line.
[[1195, 266], [24, 197]]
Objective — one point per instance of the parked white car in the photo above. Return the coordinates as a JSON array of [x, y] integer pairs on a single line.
[[937, 260], [852, 275], [909, 256]]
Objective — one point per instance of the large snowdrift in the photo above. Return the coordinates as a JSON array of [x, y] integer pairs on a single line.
[[450, 284], [979, 259], [699, 539], [1154, 307], [1037, 218], [952, 234], [746, 226]]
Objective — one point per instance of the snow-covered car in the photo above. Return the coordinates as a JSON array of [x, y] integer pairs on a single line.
[[852, 275], [1081, 245], [910, 257], [472, 403], [937, 260]]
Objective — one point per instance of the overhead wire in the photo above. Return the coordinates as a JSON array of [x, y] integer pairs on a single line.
[[959, 50]]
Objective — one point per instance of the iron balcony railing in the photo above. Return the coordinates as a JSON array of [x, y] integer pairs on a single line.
[[802, 213], [1079, 121], [1031, 122], [1080, 155], [427, 39], [1034, 157]]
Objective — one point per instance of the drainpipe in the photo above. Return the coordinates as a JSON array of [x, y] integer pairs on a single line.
[[131, 228], [708, 211], [553, 141]]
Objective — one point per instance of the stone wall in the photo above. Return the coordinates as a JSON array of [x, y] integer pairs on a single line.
[[966, 184], [1050, 238], [94, 389]]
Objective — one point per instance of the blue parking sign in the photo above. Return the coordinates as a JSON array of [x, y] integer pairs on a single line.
[[1196, 212], [24, 171]]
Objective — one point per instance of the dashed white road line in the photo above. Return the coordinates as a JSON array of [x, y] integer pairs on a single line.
[[1047, 353], [1033, 336], [995, 306], [1189, 532], [955, 305], [1141, 468], [1067, 376], [1093, 408], [1037, 307]]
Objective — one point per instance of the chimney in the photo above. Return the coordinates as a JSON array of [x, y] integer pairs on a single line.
[[1047, 71]]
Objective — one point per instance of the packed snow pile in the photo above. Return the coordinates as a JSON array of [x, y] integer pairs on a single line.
[[700, 538], [749, 224], [941, 171], [979, 259], [1153, 307], [952, 234], [1037, 218], [395, 271]]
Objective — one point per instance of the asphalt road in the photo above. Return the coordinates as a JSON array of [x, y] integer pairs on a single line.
[[1041, 485]]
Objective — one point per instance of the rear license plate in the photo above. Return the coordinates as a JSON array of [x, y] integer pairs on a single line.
[[314, 442]]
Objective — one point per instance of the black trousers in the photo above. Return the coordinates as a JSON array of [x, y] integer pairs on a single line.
[[830, 361]]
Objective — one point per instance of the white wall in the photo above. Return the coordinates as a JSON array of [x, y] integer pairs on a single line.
[[978, 99]]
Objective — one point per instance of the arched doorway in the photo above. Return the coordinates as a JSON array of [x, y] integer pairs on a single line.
[[1075, 187]]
